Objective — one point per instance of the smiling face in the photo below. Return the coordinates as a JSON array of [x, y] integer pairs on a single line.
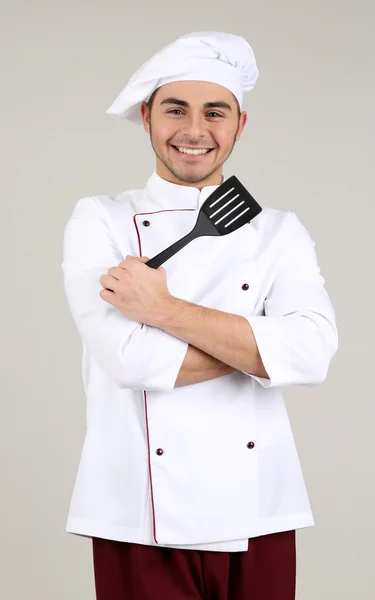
[[193, 126]]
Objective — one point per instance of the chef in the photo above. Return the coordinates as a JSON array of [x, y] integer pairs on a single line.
[[189, 482]]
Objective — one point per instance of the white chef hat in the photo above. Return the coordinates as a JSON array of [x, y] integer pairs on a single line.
[[217, 57]]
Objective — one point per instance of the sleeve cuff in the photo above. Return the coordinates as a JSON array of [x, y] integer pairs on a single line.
[[153, 359], [268, 333], [167, 362]]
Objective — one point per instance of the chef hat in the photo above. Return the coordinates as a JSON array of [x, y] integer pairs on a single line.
[[217, 57]]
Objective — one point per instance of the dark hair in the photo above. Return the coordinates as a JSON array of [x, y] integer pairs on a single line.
[[151, 101]]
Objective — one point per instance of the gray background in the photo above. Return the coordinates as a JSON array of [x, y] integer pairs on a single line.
[[308, 147]]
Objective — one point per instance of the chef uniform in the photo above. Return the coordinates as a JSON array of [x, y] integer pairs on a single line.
[[173, 481]]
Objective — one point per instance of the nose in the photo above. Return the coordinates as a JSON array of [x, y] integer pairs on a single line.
[[194, 126]]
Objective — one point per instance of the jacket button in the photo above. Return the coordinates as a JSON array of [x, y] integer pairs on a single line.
[[146, 223], [160, 451], [245, 286], [251, 445]]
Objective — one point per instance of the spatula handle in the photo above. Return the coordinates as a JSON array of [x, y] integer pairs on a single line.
[[160, 258]]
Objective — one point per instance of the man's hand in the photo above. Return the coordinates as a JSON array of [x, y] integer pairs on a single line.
[[136, 290]]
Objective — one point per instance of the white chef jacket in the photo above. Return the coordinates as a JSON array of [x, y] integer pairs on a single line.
[[208, 465]]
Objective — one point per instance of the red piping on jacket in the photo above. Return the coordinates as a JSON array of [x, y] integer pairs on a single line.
[[144, 391]]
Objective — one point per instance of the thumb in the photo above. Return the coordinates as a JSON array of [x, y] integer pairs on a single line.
[[139, 258]]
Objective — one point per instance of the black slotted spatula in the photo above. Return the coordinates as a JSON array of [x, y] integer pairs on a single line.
[[227, 209]]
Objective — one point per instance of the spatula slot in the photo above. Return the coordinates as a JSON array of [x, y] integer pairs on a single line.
[[227, 213], [224, 205], [238, 216]]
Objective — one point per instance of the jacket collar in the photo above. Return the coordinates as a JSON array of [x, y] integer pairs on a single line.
[[175, 196]]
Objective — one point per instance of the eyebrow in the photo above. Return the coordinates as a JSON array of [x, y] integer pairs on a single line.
[[218, 104]]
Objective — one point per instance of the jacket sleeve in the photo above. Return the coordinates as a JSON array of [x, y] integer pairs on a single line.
[[133, 355], [297, 336]]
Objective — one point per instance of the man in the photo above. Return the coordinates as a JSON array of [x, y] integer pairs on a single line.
[[189, 482]]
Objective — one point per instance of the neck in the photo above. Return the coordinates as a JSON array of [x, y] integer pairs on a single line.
[[215, 178]]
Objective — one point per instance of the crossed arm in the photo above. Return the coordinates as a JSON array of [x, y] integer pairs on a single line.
[[199, 366], [296, 336], [219, 342]]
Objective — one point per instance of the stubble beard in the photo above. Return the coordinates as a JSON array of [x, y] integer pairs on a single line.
[[191, 176]]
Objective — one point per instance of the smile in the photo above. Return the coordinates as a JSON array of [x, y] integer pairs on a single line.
[[192, 152]]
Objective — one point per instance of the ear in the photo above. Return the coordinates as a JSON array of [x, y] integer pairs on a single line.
[[145, 112], [241, 124]]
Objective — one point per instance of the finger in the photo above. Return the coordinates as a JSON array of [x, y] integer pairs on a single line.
[[131, 259], [125, 263], [108, 296], [139, 258], [116, 272], [108, 282]]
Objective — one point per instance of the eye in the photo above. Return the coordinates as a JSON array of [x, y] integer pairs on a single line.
[[177, 111]]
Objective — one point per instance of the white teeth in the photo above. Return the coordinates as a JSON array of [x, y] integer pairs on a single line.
[[190, 151]]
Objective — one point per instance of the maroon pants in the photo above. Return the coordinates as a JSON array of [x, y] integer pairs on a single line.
[[266, 571]]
